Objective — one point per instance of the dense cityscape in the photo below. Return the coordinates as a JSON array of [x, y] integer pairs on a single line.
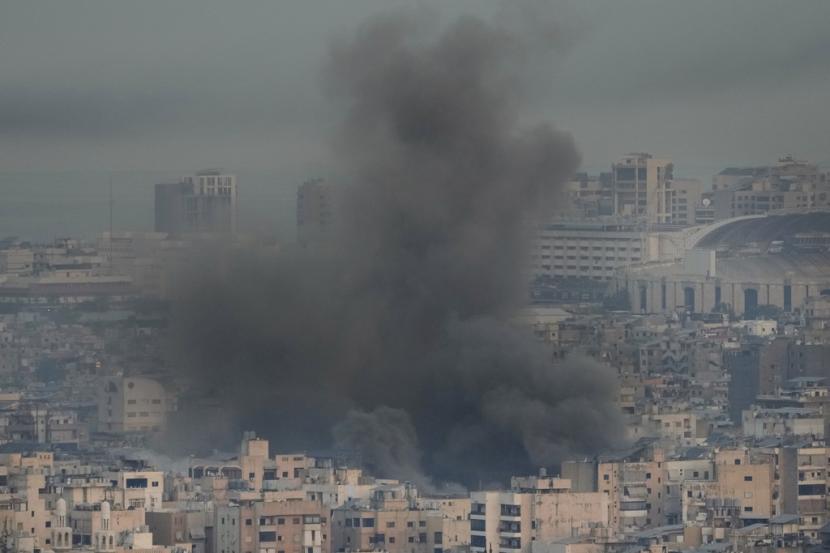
[[383, 276], [709, 304]]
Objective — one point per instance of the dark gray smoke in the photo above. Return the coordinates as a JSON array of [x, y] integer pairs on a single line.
[[396, 336]]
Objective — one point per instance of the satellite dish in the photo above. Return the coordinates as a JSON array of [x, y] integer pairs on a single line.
[[706, 202]]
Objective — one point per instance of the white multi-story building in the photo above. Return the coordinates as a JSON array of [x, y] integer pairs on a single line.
[[568, 248]]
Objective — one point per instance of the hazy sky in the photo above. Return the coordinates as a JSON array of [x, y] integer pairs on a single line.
[[164, 86]]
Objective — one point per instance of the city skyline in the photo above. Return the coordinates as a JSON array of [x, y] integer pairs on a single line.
[[380, 276]]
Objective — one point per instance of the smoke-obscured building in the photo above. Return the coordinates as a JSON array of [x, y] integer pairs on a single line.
[[318, 210], [202, 203]]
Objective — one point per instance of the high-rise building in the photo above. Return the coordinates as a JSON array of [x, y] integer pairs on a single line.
[[641, 187], [317, 212], [204, 202]]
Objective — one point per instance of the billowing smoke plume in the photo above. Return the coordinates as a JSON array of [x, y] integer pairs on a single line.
[[394, 339]]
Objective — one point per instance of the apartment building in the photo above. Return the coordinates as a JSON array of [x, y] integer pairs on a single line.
[[397, 521], [536, 509], [641, 187], [634, 485], [132, 404], [744, 485], [272, 527]]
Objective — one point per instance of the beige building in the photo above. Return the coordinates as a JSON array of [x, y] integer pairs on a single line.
[[144, 489], [634, 490], [742, 484], [271, 527], [684, 197], [641, 187], [132, 404], [395, 520], [99, 524], [788, 185], [537, 510]]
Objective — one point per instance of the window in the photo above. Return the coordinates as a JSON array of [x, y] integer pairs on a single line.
[[368, 523], [133, 483], [511, 510], [747, 509], [248, 522], [267, 536], [390, 524], [422, 538], [747, 479]]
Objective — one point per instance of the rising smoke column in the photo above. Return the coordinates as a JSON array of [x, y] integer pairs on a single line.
[[395, 339]]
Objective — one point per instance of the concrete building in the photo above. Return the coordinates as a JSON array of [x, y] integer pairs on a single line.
[[537, 509], [567, 248], [17, 261], [395, 520], [744, 485], [137, 489], [729, 265], [133, 404], [641, 187], [784, 422], [589, 195], [788, 185], [684, 199], [290, 526], [202, 203], [318, 212], [634, 486]]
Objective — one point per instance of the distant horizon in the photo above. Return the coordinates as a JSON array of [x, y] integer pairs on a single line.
[[75, 202]]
